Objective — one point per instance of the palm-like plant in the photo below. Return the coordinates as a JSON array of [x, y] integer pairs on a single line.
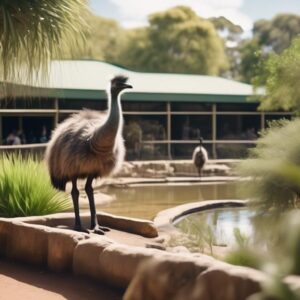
[[33, 31]]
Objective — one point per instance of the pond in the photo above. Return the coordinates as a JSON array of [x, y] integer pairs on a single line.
[[145, 201], [221, 227]]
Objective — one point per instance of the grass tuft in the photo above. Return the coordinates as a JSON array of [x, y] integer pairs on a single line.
[[26, 190]]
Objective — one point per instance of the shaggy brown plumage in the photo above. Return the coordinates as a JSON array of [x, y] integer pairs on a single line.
[[88, 145], [69, 155]]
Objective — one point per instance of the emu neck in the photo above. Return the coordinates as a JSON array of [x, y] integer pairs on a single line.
[[104, 137]]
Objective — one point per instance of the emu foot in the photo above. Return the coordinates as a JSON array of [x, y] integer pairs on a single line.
[[79, 228], [99, 230]]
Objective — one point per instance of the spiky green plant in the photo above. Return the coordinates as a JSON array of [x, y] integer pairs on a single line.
[[33, 31], [25, 188]]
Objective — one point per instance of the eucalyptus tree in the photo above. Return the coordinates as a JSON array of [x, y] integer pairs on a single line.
[[34, 31], [176, 40]]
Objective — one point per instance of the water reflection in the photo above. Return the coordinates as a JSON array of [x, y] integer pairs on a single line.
[[222, 223], [146, 201]]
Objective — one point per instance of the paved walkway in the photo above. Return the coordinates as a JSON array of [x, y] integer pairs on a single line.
[[24, 282]]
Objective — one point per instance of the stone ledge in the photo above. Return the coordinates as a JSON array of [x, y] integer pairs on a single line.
[[141, 227], [146, 273]]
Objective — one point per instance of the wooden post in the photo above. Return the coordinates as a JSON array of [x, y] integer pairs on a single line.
[[214, 130], [169, 129]]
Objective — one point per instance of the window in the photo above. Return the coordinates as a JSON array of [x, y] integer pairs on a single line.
[[191, 127], [190, 106], [37, 129], [152, 128], [144, 106], [185, 151], [237, 107], [151, 151], [238, 127], [231, 151], [9, 125], [270, 118], [77, 104], [28, 103]]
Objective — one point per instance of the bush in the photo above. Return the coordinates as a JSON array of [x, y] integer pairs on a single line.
[[274, 169], [274, 191], [25, 188]]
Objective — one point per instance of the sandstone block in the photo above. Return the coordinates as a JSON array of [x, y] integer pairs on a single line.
[[28, 243], [86, 257], [61, 246]]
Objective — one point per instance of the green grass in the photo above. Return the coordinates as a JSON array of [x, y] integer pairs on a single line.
[[25, 188]]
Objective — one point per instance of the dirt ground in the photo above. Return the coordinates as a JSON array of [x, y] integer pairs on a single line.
[[25, 282]]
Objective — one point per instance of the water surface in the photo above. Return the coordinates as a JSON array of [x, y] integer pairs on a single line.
[[221, 225], [146, 201]]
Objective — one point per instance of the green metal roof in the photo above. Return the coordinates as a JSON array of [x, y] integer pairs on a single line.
[[86, 79]]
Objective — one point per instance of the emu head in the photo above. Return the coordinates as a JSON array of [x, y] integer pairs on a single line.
[[118, 84]]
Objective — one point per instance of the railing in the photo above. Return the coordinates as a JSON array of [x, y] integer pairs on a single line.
[[36, 150], [218, 149]]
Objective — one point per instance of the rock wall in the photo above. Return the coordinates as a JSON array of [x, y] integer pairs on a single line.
[[176, 168]]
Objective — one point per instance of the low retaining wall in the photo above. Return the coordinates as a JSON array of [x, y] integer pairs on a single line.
[[145, 273], [165, 168]]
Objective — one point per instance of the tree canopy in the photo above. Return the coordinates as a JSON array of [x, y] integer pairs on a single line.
[[269, 36], [277, 34], [104, 40], [282, 73], [177, 40]]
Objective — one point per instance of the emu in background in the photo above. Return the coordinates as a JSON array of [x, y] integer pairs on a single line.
[[88, 145], [200, 157]]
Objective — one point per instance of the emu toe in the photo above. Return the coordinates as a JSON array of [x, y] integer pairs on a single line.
[[100, 230], [80, 229]]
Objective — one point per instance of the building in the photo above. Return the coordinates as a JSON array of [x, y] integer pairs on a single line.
[[165, 114]]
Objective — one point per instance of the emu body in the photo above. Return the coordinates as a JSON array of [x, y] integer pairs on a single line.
[[88, 145], [200, 157]]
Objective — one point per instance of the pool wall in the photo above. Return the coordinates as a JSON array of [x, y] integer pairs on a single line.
[[145, 273]]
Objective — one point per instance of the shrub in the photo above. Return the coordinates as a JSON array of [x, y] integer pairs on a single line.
[[25, 188], [274, 169]]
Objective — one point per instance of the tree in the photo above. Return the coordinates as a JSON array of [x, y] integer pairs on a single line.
[[178, 41], [251, 60], [269, 36], [32, 32], [282, 73], [104, 39], [232, 36], [278, 33]]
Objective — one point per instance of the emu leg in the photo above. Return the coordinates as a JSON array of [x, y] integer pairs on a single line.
[[94, 221], [75, 197], [199, 172]]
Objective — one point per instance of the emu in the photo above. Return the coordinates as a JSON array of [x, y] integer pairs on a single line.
[[200, 157], [88, 145]]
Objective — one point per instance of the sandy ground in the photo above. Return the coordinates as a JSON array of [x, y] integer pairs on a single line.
[[24, 282]]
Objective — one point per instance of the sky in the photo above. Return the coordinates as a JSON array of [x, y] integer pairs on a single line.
[[133, 13]]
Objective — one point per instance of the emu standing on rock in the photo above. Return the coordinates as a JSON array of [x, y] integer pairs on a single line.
[[200, 157], [88, 145]]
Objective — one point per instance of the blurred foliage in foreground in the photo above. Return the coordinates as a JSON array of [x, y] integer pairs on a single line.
[[272, 184], [274, 169]]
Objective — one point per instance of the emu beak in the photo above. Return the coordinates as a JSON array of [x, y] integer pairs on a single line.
[[127, 86]]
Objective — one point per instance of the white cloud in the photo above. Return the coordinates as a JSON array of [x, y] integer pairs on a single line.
[[134, 12]]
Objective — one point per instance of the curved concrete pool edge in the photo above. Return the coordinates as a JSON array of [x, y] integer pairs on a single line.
[[145, 273], [164, 220]]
